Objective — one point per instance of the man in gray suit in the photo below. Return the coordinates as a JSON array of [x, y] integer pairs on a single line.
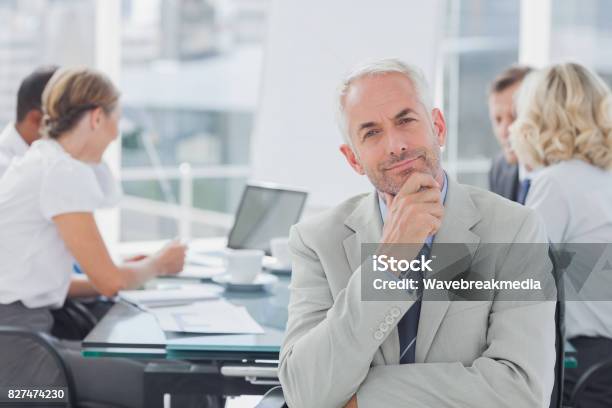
[[403, 350], [504, 172]]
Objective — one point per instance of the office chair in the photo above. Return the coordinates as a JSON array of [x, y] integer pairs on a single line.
[[556, 399], [586, 380], [73, 321], [45, 342]]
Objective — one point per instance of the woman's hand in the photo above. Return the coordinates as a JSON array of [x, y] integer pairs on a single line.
[[170, 259], [82, 237]]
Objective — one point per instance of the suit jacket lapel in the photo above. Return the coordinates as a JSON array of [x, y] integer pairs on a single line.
[[460, 216], [366, 222]]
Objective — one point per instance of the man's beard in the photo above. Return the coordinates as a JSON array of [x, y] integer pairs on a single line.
[[386, 183]]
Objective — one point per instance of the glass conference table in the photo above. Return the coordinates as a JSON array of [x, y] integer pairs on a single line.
[[176, 363]]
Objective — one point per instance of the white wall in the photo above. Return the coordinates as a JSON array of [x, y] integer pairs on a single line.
[[310, 46]]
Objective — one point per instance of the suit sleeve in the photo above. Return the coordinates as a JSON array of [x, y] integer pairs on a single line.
[[516, 369], [326, 336]]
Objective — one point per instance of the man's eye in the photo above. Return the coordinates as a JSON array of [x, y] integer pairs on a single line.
[[370, 133], [404, 121]]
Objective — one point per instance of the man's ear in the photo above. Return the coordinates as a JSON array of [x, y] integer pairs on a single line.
[[34, 117], [439, 125], [351, 158]]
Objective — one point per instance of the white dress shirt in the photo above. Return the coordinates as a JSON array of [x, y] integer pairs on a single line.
[[575, 200], [11, 145], [35, 264]]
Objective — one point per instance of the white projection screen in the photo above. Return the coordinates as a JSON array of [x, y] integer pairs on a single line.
[[310, 46]]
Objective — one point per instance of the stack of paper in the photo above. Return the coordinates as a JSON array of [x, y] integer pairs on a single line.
[[210, 317], [167, 297]]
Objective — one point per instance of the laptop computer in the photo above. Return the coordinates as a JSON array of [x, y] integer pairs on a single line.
[[265, 211]]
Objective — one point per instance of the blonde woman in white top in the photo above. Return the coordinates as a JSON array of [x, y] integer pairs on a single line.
[[563, 132], [47, 199]]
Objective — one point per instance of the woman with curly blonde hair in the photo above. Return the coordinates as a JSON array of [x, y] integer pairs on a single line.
[[563, 134], [564, 113]]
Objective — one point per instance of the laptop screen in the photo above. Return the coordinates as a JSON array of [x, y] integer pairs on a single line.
[[265, 213]]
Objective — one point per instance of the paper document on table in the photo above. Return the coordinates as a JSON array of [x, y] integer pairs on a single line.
[[213, 259], [167, 297], [192, 271], [209, 317]]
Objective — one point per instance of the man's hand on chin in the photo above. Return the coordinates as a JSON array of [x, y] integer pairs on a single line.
[[352, 402], [415, 212]]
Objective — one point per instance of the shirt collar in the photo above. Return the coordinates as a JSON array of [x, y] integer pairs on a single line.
[[11, 142], [384, 209]]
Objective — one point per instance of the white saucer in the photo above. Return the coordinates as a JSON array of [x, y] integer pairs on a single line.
[[275, 267], [263, 281]]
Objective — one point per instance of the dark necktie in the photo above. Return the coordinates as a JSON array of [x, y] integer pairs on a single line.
[[408, 326], [521, 196]]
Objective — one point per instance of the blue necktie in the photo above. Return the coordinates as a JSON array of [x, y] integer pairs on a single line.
[[521, 196], [408, 326]]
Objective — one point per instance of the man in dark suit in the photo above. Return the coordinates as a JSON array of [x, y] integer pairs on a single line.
[[504, 172]]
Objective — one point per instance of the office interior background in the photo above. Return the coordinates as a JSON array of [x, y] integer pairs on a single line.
[[194, 74]]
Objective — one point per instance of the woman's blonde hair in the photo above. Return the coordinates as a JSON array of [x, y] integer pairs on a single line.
[[563, 112], [70, 93]]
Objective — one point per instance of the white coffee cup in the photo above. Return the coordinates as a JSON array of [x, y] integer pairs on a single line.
[[243, 265], [280, 250]]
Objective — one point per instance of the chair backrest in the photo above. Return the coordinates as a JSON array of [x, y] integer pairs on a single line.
[[586, 380], [25, 342], [73, 321], [556, 399]]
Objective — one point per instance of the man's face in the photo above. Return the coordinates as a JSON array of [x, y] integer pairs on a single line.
[[392, 134], [501, 112]]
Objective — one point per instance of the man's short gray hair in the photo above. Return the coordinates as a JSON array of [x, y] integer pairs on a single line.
[[382, 67]]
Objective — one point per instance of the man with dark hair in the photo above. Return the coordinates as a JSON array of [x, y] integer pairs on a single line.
[[18, 136], [505, 176]]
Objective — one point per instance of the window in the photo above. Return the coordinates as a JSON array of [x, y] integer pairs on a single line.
[[33, 33], [190, 79], [581, 32], [189, 73], [481, 40]]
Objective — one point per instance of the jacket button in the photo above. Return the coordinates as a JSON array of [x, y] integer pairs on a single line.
[[383, 327], [395, 312], [378, 335], [389, 319]]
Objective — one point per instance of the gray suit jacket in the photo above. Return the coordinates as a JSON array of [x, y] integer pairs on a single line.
[[504, 178], [468, 353]]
